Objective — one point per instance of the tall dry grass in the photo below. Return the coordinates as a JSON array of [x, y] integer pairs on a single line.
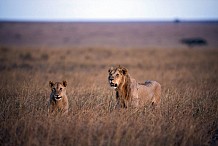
[[189, 107]]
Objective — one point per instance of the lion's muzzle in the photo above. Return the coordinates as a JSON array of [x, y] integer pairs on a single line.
[[114, 85], [57, 97]]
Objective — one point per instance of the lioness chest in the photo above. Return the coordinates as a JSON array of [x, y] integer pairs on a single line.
[[61, 105]]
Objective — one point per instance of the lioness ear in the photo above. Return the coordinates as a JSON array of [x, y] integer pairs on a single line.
[[65, 83], [124, 71], [110, 69], [51, 83]]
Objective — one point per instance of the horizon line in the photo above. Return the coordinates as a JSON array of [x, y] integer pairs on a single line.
[[176, 20]]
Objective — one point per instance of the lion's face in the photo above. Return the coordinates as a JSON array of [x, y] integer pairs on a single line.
[[116, 76], [58, 89]]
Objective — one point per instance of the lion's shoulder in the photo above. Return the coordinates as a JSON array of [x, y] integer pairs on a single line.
[[133, 83]]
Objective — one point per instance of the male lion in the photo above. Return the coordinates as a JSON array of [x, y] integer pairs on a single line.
[[58, 101], [131, 93]]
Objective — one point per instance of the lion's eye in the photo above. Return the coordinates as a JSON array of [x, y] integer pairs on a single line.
[[60, 88], [117, 75]]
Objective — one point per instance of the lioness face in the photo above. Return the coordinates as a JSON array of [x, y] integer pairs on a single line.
[[116, 76], [58, 90]]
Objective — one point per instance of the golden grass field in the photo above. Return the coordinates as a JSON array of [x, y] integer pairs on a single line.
[[189, 106]]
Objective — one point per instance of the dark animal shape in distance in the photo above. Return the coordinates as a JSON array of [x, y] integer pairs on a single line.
[[191, 42]]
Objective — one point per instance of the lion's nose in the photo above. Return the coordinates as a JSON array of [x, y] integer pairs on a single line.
[[111, 78]]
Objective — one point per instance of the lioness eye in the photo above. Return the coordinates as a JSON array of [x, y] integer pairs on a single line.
[[60, 88], [117, 75]]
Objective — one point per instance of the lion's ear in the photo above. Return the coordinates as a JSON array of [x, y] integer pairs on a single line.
[[51, 83], [110, 69], [65, 83], [124, 71]]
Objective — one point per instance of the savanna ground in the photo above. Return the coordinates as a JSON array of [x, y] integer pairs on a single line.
[[189, 106]]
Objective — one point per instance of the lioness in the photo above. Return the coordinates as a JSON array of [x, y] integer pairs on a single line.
[[131, 93], [58, 101]]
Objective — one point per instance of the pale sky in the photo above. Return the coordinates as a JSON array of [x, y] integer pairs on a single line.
[[100, 10]]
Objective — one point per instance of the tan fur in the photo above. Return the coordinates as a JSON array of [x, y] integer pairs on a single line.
[[131, 93], [58, 102]]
